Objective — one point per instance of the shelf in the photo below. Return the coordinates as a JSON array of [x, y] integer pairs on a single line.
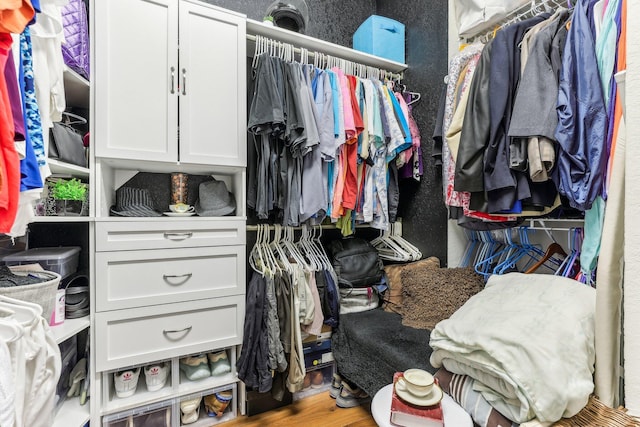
[[72, 414], [47, 219], [315, 45], [206, 421], [168, 167], [62, 168], [69, 328], [76, 89], [164, 218], [141, 397], [191, 387]]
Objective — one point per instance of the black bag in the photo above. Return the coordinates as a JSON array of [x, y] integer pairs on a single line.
[[356, 262], [65, 144]]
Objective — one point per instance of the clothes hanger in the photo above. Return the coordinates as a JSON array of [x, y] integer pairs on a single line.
[[10, 330], [390, 250], [552, 250], [277, 248], [413, 251], [26, 311]]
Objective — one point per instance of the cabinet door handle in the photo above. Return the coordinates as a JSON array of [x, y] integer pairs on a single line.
[[185, 277], [177, 331], [184, 81], [173, 79], [178, 236]]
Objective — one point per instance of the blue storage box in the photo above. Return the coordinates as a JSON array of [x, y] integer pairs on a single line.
[[382, 37]]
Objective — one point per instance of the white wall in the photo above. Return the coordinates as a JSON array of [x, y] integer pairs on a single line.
[[631, 305]]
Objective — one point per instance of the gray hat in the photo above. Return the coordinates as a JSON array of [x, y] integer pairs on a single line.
[[214, 199], [132, 201]]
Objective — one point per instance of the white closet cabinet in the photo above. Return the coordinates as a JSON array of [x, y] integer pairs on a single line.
[[170, 77], [168, 95]]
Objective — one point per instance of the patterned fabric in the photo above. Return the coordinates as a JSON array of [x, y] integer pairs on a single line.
[[460, 388], [32, 112], [456, 66]]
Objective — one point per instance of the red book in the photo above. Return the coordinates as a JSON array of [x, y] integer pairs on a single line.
[[408, 415]]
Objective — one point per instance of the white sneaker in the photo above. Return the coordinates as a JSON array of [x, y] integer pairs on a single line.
[[126, 382], [156, 375]]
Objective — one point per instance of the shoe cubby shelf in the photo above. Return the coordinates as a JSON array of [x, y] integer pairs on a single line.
[[177, 385], [317, 380], [204, 419], [167, 413]]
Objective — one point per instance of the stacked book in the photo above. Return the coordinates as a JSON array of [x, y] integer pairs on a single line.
[[406, 414]]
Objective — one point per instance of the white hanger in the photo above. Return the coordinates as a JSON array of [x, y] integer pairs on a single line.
[[413, 251], [389, 250], [10, 330], [277, 248], [25, 311]]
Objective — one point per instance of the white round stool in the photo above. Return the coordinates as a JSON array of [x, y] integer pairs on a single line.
[[453, 413]]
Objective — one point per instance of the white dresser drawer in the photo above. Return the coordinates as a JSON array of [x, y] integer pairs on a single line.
[[169, 234], [141, 335], [130, 279]]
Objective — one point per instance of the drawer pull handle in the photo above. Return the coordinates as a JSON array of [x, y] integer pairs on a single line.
[[178, 236], [177, 331], [184, 278]]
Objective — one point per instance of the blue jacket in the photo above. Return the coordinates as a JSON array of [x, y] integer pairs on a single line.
[[582, 116]]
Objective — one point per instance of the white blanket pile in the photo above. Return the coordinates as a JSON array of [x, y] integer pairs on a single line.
[[528, 342]]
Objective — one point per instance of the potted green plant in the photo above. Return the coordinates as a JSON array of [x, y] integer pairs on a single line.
[[70, 196]]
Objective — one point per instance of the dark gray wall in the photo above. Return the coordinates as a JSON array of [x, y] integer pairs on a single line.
[[421, 207], [332, 20]]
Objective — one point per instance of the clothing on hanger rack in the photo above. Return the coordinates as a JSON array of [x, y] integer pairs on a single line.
[[329, 142], [30, 365], [514, 151], [294, 287]]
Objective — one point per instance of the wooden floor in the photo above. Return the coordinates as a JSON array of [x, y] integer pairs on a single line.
[[315, 411]]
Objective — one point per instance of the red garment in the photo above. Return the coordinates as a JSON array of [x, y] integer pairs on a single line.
[[9, 160], [350, 191]]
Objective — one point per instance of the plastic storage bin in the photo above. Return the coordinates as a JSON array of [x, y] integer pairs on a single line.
[[317, 380], [61, 260], [159, 414], [380, 36], [317, 353]]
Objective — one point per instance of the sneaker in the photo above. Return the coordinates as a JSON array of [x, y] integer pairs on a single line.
[[351, 397], [156, 376], [195, 367], [307, 381], [216, 403], [336, 386], [190, 410], [317, 379], [219, 363], [126, 382]]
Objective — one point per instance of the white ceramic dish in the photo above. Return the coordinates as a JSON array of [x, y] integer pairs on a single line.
[[430, 399], [179, 213]]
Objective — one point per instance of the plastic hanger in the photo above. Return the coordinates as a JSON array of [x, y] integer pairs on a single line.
[[277, 249], [388, 249], [10, 330], [413, 251], [553, 249], [24, 311]]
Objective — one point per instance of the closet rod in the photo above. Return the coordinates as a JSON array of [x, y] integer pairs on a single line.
[[527, 10], [312, 53], [299, 227]]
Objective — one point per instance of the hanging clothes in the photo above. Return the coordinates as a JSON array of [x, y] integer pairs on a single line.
[[582, 116], [323, 142], [9, 160]]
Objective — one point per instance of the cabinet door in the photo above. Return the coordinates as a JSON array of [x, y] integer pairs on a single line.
[[212, 86], [136, 102]]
